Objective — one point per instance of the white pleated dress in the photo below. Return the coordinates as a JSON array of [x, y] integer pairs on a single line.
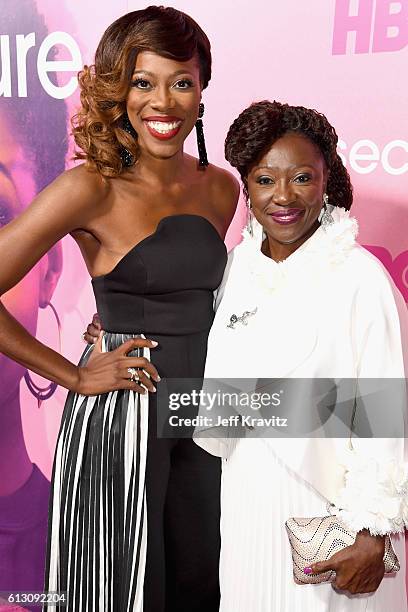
[[328, 311], [259, 493]]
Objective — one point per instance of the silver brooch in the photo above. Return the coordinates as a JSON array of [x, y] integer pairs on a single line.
[[242, 319]]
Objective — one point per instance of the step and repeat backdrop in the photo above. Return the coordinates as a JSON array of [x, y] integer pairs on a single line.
[[345, 58]]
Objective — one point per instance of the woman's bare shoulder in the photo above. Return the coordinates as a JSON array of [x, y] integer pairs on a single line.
[[224, 189], [74, 197], [64, 206], [222, 179], [87, 186]]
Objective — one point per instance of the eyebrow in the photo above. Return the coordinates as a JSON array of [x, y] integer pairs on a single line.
[[152, 74], [293, 167]]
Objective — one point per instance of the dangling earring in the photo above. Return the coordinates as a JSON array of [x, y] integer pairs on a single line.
[[125, 155], [325, 216], [44, 393], [202, 152], [250, 216]]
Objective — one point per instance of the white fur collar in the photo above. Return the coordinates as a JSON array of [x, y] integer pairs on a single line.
[[329, 245]]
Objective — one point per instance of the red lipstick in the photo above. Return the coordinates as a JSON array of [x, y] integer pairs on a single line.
[[163, 127]]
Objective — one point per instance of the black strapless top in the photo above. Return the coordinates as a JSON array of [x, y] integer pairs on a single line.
[[165, 283]]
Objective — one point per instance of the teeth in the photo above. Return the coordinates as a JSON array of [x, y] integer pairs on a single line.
[[162, 127]]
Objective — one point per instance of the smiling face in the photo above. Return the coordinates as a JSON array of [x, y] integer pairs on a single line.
[[163, 102], [286, 188]]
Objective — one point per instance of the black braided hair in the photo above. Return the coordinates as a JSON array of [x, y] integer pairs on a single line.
[[261, 124]]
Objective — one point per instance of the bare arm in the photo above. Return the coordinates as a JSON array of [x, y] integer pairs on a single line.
[[64, 206], [55, 212]]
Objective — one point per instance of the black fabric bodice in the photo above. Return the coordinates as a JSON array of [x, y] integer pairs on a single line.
[[165, 283]]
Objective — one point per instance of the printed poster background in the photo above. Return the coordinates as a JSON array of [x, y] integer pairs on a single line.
[[346, 58]]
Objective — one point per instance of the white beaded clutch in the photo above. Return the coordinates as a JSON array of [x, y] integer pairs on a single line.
[[317, 539]]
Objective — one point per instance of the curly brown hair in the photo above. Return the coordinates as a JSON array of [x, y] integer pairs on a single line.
[[98, 127], [262, 123]]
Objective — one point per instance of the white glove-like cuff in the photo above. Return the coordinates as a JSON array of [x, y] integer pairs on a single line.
[[375, 495]]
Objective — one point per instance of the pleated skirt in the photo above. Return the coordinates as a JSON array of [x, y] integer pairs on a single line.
[[97, 532], [259, 493]]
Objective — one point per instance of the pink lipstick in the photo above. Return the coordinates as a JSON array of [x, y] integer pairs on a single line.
[[287, 216]]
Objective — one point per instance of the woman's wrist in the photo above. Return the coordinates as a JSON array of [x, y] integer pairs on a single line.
[[373, 543], [75, 381]]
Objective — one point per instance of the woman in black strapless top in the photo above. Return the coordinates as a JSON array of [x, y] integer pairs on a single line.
[[134, 517], [157, 289]]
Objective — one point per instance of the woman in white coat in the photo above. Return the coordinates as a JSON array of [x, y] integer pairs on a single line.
[[301, 299]]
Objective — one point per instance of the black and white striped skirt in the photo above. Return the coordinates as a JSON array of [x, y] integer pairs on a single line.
[[97, 530]]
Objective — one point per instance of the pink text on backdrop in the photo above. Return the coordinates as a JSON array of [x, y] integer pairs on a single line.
[[398, 267], [379, 26]]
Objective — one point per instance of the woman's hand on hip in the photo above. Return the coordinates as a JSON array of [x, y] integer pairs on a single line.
[[93, 330], [108, 371], [360, 567]]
